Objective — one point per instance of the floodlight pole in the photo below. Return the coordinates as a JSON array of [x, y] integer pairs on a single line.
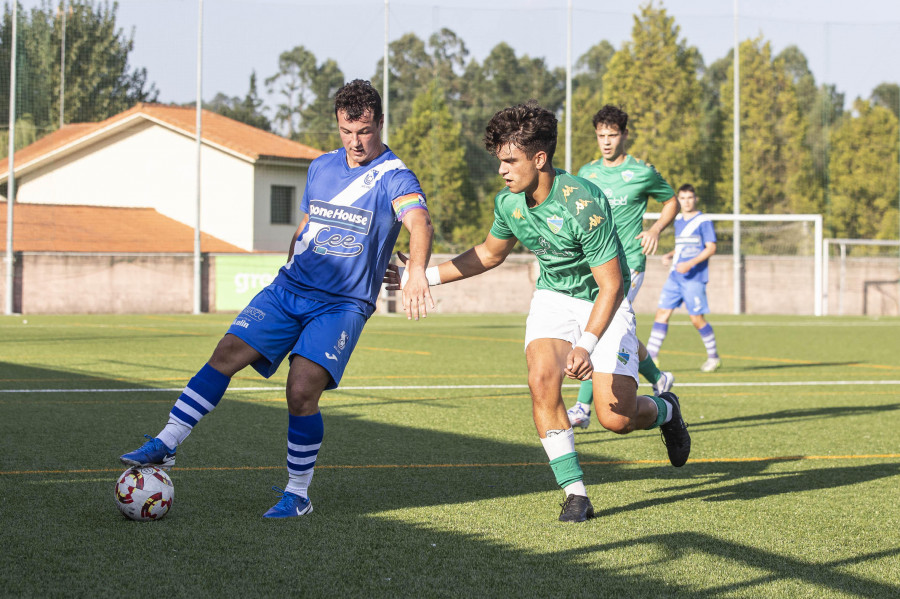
[[736, 167], [384, 73], [199, 104], [569, 91], [11, 177], [62, 69]]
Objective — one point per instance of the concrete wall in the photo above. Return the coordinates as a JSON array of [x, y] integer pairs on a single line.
[[153, 283]]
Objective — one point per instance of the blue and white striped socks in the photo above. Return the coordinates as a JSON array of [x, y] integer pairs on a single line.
[[657, 336], [198, 399], [305, 434], [709, 340]]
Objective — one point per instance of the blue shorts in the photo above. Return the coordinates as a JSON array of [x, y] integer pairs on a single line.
[[691, 293], [277, 322]]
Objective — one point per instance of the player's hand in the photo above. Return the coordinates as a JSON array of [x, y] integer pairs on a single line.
[[667, 259], [683, 267], [578, 364], [649, 241], [394, 277], [416, 292]]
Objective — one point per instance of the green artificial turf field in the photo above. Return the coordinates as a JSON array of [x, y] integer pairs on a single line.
[[431, 481]]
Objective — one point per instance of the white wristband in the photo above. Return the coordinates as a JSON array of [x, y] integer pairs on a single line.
[[433, 276], [588, 341]]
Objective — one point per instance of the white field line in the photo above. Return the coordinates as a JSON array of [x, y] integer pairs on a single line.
[[451, 387]]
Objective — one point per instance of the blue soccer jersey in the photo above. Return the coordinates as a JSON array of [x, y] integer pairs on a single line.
[[691, 237], [355, 216]]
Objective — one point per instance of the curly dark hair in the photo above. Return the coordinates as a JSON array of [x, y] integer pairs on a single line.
[[612, 115], [527, 126], [355, 98]]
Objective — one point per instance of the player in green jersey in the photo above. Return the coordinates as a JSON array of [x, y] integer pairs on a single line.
[[580, 324], [627, 183]]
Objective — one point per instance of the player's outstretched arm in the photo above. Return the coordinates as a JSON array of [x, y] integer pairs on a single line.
[[610, 294], [650, 237], [474, 261]]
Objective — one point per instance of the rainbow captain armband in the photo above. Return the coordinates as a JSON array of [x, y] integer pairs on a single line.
[[405, 203]]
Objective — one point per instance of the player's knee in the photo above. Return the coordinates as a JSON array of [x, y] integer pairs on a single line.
[[302, 400], [542, 380]]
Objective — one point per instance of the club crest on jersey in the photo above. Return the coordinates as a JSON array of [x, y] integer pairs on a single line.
[[342, 341], [623, 356], [628, 176], [370, 177], [555, 223]]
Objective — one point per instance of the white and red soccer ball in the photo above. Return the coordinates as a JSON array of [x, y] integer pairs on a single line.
[[144, 493]]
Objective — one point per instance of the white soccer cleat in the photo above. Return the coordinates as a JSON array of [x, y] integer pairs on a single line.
[[579, 416], [664, 384], [711, 365]]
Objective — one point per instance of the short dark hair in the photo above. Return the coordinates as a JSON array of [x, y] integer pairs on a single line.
[[527, 126], [687, 187], [612, 115], [355, 98]]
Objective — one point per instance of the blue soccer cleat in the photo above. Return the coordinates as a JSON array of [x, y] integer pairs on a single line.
[[152, 453], [289, 506]]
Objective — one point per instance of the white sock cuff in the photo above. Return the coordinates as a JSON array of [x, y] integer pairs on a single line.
[[559, 444]]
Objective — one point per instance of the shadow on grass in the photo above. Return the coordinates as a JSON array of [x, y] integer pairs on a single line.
[[793, 365], [373, 478], [794, 415]]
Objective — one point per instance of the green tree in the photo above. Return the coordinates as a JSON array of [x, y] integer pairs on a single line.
[[318, 126], [415, 64], [888, 96], [587, 99], [99, 82], [654, 78], [864, 174], [292, 82], [248, 110], [775, 163], [430, 143]]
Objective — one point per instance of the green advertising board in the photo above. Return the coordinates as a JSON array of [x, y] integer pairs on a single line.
[[240, 277]]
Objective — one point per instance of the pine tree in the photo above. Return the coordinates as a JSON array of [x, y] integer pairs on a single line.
[[430, 144], [654, 78], [864, 175]]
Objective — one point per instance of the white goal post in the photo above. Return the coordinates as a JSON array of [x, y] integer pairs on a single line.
[[817, 249]]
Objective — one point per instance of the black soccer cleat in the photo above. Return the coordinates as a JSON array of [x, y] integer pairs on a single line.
[[576, 508], [675, 434]]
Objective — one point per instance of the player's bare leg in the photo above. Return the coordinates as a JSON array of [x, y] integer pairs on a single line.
[[546, 360]]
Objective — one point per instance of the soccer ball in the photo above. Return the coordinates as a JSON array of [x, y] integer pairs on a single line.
[[144, 493]]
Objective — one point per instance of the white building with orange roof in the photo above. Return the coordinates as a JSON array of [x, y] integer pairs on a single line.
[[145, 157]]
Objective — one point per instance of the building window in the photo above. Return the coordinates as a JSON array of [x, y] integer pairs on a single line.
[[283, 204]]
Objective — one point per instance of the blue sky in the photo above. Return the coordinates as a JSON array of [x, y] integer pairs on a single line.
[[854, 48]]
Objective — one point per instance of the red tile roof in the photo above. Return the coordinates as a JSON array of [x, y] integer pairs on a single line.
[[61, 228], [218, 130]]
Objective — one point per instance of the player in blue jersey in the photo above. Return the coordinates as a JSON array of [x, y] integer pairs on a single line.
[[695, 242], [355, 201]]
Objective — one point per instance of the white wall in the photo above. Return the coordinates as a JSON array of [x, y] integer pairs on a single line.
[[269, 237], [150, 166]]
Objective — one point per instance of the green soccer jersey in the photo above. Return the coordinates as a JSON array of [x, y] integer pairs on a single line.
[[627, 187], [569, 232]]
